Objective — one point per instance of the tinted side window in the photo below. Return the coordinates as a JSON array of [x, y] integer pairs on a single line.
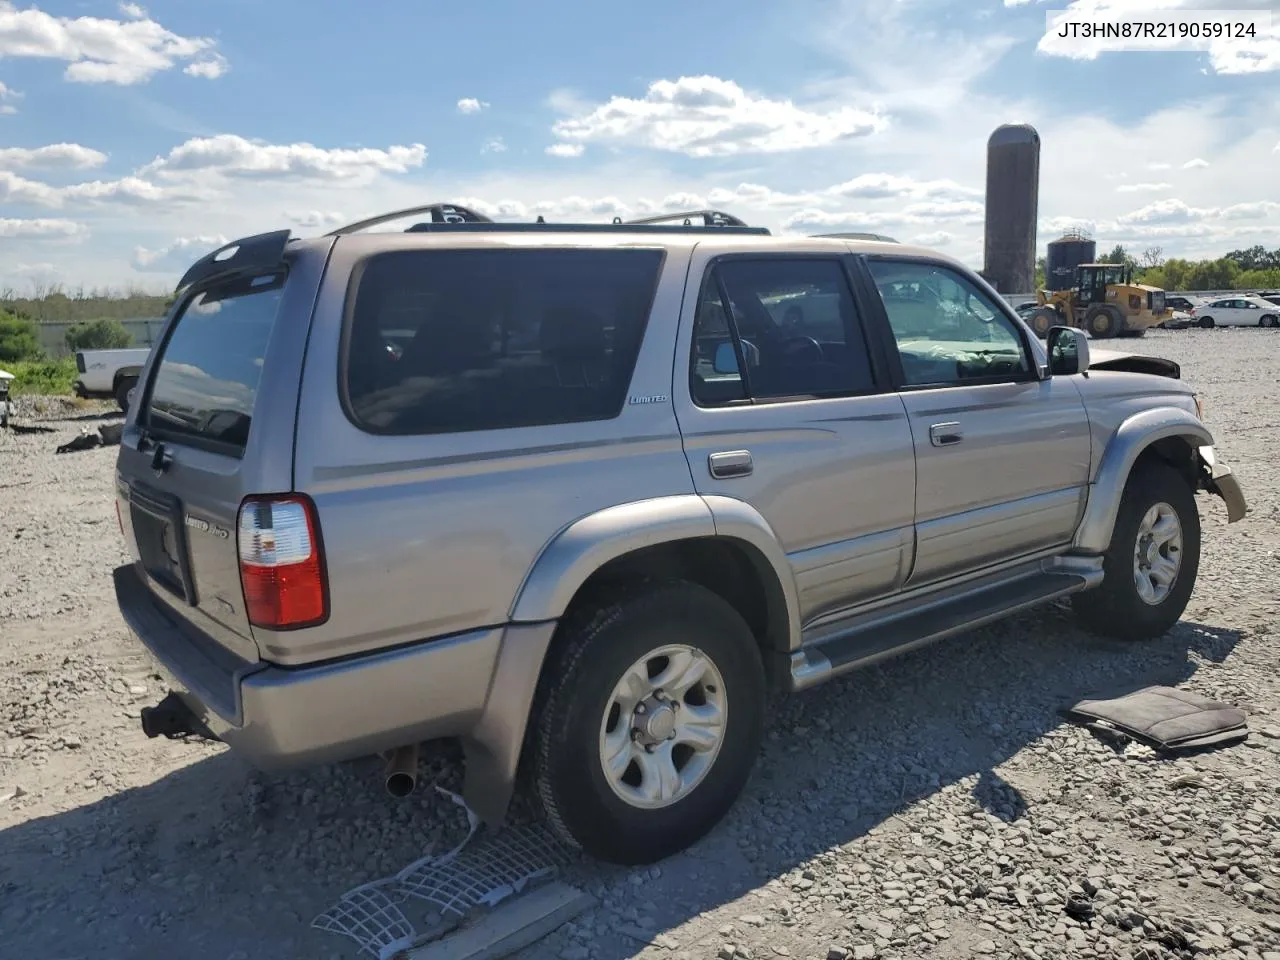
[[441, 341], [796, 329], [207, 374], [947, 330]]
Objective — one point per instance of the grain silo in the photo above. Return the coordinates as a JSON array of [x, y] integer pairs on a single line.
[[1013, 187]]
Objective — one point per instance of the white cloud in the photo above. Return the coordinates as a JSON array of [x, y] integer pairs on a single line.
[[1163, 211], [210, 69], [127, 190], [471, 105], [7, 96], [1196, 164], [884, 185], [179, 254], [65, 155], [235, 156], [938, 238], [706, 116], [565, 150], [42, 229], [316, 219], [1143, 187], [95, 49], [494, 145], [133, 11]]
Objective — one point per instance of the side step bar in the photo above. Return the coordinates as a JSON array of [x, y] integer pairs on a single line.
[[887, 633]]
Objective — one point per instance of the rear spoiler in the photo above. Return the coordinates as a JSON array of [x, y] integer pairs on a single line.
[[260, 252]]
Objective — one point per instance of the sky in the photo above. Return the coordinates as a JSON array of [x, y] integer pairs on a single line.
[[134, 139]]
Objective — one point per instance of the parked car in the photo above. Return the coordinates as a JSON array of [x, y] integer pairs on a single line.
[[604, 501], [6, 379], [1179, 321], [1240, 311], [1185, 304], [109, 373]]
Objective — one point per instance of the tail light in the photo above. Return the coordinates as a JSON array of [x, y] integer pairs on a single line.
[[282, 563], [1191, 311]]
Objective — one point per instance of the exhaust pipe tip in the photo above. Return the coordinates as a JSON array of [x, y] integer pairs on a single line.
[[402, 771]]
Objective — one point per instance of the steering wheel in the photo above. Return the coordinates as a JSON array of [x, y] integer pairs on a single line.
[[801, 350]]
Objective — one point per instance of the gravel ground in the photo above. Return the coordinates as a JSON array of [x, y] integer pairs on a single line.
[[934, 806]]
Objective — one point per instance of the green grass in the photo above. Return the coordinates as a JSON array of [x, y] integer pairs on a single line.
[[42, 376]]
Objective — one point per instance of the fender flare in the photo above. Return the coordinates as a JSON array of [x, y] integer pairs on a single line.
[[587, 544], [1127, 444], [124, 372]]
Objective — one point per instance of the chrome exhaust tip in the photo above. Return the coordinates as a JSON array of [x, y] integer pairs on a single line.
[[402, 771]]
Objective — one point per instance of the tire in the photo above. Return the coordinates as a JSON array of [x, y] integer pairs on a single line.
[[1206, 323], [1269, 321], [1116, 608], [1103, 322], [577, 715], [122, 392], [1042, 319]]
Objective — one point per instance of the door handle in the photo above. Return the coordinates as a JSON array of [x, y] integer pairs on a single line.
[[945, 434], [729, 464]]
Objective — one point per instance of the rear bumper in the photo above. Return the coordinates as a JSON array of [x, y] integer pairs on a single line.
[[279, 718]]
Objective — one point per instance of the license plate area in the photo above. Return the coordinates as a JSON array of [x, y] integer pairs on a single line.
[[162, 542]]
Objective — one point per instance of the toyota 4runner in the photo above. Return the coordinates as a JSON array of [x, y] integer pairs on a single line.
[[581, 496]]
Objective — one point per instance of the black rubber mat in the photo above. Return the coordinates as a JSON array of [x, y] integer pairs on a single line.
[[1167, 719]]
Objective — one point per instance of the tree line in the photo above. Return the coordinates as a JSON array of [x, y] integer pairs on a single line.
[[1255, 268]]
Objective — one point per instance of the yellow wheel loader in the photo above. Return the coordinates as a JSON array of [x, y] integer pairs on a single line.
[[1105, 302]]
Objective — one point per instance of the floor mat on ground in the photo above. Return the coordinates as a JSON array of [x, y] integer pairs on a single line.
[[1167, 719]]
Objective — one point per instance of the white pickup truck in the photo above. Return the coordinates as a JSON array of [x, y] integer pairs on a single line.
[[109, 373]]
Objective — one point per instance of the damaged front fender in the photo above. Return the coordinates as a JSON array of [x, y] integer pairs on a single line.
[[1218, 479]]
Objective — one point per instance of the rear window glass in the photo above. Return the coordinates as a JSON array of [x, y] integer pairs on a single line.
[[441, 341], [206, 378]]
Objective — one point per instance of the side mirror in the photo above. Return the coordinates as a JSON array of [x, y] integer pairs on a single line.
[[1068, 350], [725, 360]]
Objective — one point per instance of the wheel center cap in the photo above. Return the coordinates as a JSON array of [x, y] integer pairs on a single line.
[[658, 722]]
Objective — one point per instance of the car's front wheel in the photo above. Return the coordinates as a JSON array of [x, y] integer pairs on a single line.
[[1151, 565], [649, 720]]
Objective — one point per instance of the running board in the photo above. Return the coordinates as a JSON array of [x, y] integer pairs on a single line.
[[886, 633]]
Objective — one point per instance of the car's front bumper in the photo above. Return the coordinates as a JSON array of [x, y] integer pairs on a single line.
[[277, 717], [1223, 482]]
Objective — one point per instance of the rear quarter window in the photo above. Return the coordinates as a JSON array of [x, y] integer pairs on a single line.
[[207, 372], [442, 341]]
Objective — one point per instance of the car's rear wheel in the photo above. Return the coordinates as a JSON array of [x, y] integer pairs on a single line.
[[1269, 321], [1206, 323], [1150, 568], [649, 719], [123, 386]]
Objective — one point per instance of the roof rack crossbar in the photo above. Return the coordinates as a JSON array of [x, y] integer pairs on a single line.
[[440, 213], [262, 251], [710, 218]]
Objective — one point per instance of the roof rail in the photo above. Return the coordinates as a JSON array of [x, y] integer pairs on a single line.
[[856, 236], [440, 213], [710, 218]]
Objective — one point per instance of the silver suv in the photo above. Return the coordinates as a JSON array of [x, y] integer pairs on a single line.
[[582, 496]]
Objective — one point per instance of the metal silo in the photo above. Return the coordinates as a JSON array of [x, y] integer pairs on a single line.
[[1064, 255], [1013, 187]]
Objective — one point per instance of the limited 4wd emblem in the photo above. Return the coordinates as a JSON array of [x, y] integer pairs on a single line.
[[199, 523]]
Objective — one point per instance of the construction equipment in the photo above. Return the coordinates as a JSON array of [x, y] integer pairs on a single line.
[[1104, 301]]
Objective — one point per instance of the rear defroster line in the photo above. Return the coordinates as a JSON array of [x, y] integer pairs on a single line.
[[452, 886]]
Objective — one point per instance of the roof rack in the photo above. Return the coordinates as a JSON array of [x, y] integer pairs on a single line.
[[440, 213], [453, 217], [710, 218], [856, 236]]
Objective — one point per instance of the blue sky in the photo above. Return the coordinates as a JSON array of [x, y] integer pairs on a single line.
[[135, 138]]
